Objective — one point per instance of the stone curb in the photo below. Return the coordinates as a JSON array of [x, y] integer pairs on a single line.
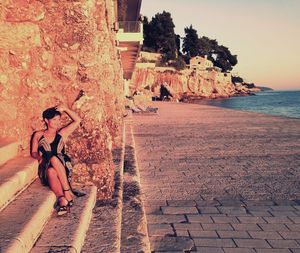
[[8, 150], [143, 225], [17, 183], [57, 232], [120, 195], [33, 228], [86, 215]]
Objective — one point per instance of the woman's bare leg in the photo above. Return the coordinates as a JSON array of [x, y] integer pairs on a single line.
[[55, 185], [61, 174]]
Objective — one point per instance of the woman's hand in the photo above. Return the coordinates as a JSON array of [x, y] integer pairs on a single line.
[[61, 108]]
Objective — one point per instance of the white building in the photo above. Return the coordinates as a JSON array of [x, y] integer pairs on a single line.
[[200, 63]]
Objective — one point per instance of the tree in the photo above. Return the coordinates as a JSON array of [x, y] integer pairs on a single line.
[[218, 54], [149, 43], [178, 44], [207, 47], [190, 42], [224, 59], [160, 35], [237, 79]]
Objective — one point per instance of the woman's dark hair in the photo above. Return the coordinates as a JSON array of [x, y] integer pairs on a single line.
[[50, 113]]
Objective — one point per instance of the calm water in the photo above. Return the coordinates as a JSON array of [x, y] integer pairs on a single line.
[[282, 103]]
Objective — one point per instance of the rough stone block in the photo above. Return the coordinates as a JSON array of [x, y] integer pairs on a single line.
[[160, 230], [293, 227], [184, 233], [284, 244], [171, 244], [276, 220], [181, 203], [284, 213], [283, 208], [231, 220], [214, 243], [260, 213], [272, 251], [232, 209], [259, 202], [295, 219], [179, 210], [290, 235], [187, 226], [208, 210], [264, 235], [246, 227], [214, 226], [208, 203], [165, 218], [233, 234], [274, 227], [199, 219], [203, 234], [254, 220], [209, 250], [251, 243], [237, 250]]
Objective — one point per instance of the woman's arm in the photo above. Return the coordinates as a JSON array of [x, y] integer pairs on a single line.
[[34, 148], [67, 130]]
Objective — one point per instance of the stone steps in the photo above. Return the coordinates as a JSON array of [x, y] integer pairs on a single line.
[[27, 213], [67, 233], [15, 175], [8, 150], [22, 221]]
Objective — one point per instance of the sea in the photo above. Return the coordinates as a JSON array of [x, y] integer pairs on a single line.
[[280, 103]]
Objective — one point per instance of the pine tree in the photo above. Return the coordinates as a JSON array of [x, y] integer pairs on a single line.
[[190, 42], [160, 35]]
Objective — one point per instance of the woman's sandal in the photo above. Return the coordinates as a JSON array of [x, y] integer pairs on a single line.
[[70, 202], [61, 210]]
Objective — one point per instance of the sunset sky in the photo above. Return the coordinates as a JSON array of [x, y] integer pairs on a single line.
[[265, 34]]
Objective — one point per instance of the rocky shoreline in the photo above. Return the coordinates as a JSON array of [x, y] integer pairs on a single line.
[[183, 85]]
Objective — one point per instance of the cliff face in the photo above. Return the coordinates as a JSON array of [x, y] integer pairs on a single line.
[[49, 51], [184, 83]]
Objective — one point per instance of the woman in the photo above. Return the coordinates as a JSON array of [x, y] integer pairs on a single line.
[[54, 165]]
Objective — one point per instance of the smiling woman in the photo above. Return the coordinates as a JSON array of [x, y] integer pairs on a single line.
[[55, 166]]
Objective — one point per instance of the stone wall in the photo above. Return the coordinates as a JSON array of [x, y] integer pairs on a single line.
[[49, 51]]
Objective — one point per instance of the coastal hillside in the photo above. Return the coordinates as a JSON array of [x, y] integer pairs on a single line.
[[188, 66], [186, 83], [182, 83], [56, 52]]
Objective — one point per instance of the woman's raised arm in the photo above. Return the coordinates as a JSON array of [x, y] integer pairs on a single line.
[[67, 130], [34, 147]]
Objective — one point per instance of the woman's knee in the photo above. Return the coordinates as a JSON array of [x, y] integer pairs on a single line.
[[51, 172], [55, 161]]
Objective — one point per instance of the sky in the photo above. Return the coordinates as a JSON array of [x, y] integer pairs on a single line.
[[264, 34]]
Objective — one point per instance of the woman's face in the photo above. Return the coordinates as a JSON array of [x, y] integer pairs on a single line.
[[54, 122]]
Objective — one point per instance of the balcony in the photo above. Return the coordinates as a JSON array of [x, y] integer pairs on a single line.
[[129, 34], [130, 31]]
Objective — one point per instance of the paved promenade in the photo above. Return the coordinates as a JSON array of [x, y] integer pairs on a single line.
[[219, 180]]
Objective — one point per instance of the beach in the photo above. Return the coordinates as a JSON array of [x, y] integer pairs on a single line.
[[219, 179]]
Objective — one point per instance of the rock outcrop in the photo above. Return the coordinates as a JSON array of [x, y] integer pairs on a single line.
[[186, 83], [49, 52]]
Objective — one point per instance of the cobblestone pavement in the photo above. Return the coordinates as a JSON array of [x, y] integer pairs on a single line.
[[219, 180]]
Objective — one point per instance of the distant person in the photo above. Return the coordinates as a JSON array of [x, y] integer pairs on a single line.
[[55, 166], [164, 93]]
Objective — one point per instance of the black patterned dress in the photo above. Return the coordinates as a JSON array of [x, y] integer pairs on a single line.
[[46, 151]]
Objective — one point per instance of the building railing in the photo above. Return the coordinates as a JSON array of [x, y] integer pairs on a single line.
[[130, 26]]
